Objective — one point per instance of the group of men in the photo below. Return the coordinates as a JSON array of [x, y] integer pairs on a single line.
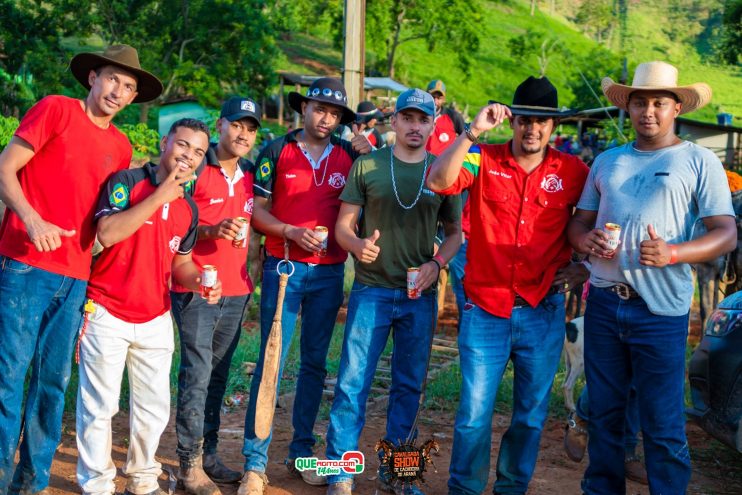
[[317, 198]]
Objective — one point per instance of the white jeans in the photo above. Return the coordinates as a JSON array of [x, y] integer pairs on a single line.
[[146, 350]]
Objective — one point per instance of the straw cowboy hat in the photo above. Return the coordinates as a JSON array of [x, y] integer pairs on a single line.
[[658, 76], [124, 56]]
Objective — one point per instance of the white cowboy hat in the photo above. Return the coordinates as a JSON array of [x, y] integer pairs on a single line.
[[659, 76]]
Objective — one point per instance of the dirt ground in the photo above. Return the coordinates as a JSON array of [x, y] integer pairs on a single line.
[[716, 470]]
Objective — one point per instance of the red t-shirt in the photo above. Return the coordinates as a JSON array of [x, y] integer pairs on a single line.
[[131, 279], [442, 136], [303, 196], [218, 198], [73, 159], [518, 240]]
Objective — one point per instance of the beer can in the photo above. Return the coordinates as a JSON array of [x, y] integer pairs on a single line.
[[614, 233], [208, 280], [412, 273], [321, 233], [240, 239]]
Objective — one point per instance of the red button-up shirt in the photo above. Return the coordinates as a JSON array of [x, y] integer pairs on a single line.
[[518, 224]]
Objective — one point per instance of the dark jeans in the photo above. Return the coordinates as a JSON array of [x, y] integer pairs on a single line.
[[316, 290], [208, 337], [632, 426], [40, 314], [625, 343]]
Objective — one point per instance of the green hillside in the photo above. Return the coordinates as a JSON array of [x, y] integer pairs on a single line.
[[496, 72]]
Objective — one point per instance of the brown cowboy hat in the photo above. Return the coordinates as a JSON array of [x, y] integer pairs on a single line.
[[657, 76], [124, 56]]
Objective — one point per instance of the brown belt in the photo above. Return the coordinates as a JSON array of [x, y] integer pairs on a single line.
[[624, 291]]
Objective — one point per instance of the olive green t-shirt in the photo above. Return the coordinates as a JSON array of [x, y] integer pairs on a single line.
[[407, 235]]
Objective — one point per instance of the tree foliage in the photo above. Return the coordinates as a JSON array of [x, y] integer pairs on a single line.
[[453, 25], [535, 44], [731, 34]]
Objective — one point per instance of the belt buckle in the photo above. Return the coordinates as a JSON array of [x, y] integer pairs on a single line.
[[623, 291]]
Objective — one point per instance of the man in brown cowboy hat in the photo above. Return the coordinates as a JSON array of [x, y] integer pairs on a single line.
[[518, 269], [302, 174], [655, 188], [51, 173]]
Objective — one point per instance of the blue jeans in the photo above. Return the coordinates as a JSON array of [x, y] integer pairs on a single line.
[[318, 291], [631, 425], [532, 339], [372, 313], [40, 314], [209, 334], [625, 343], [456, 268]]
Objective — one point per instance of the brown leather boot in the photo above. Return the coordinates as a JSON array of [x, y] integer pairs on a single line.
[[635, 470], [218, 471], [193, 479], [575, 439]]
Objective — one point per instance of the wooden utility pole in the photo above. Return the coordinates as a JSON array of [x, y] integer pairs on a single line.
[[354, 54]]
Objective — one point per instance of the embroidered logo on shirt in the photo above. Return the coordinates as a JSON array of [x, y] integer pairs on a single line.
[[500, 174], [552, 183], [174, 243], [120, 196], [336, 180], [214, 201], [248, 206], [291, 176], [443, 138]]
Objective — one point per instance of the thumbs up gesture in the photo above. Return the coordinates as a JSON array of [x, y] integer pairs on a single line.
[[366, 250], [654, 251], [360, 142]]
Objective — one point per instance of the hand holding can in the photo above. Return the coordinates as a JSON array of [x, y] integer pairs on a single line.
[[208, 280], [321, 233], [412, 291], [614, 235], [240, 238]]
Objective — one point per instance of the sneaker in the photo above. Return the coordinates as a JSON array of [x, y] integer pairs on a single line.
[[253, 483], [635, 470], [218, 471], [575, 439], [341, 488], [309, 476]]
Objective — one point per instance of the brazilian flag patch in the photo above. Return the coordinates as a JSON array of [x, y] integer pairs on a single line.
[[264, 169], [120, 195]]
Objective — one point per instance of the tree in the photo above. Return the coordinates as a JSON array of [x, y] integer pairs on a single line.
[[597, 18], [731, 34], [534, 43], [453, 25]]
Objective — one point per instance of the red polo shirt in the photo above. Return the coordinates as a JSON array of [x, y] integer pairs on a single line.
[[218, 197], [72, 160], [442, 136], [303, 196], [518, 240], [131, 278]]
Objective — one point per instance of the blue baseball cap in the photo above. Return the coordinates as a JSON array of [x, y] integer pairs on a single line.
[[416, 99], [437, 86]]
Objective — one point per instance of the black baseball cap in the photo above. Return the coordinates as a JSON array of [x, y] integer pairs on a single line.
[[240, 107]]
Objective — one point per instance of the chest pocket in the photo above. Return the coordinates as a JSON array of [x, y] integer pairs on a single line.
[[551, 201]]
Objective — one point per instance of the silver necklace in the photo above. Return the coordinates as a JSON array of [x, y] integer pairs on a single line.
[[394, 182], [324, 170]]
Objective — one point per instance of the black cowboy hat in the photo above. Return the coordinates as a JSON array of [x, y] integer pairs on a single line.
[[537, 97], [124, 56], [367, 111], [327, 90]]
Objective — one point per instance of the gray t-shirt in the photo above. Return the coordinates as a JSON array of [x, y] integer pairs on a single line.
[[670, 189]]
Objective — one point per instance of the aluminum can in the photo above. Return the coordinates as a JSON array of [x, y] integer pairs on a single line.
[[412, 273], [614, 234], [208, 280], [240, 240], [321, 233]]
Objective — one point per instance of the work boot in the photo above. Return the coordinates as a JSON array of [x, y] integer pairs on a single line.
[[252, 483], [309, 476], [635, 470], [341, 488], [193, 479], [575, 439], [218, 471], [156, 491]]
